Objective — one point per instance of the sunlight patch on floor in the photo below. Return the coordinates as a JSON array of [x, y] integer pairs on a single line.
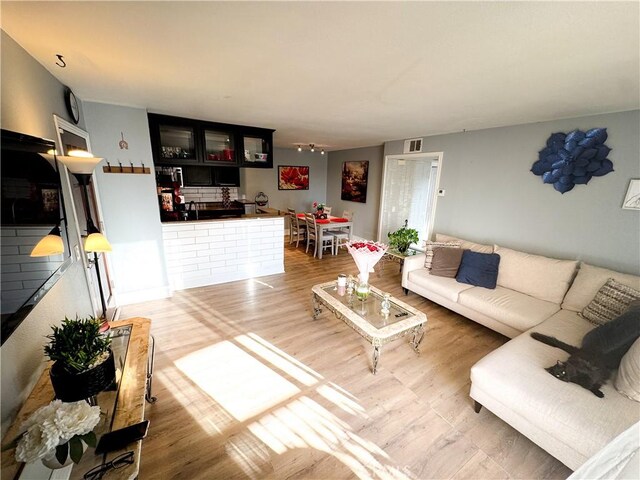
[[261, 283], [277, 360], [340, 400], [241, 388], [304, 423], [240, 383], [211, 418], [289, 358]]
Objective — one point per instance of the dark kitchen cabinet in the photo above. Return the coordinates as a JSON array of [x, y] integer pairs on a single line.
[[205, 176], [174, 141], [257, 145], [177, 141]]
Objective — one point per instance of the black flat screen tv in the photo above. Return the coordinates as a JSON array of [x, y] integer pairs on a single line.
[[31, 206]]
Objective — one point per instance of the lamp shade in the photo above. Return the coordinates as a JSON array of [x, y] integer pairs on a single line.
[[79, 161], [96, 242], [51, 244]]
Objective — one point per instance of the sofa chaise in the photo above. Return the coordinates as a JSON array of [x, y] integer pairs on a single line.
[[534, 293]]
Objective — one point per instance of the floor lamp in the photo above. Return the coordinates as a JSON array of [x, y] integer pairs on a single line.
[[82, 164]]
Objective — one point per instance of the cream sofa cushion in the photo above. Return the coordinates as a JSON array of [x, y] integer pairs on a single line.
[[514, 376], [507, 306], [464, 244], [443, 286], [587, 283], [628, 379], [540, 277]]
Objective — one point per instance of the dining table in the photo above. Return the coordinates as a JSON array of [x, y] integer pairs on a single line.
[[330, 223]]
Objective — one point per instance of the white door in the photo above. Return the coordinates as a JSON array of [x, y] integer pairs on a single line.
[[409, 192]]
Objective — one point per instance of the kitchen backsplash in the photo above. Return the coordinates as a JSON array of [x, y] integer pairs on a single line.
[[207, 194]]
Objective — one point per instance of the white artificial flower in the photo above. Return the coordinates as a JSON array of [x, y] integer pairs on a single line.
[[36, 443], [77, 418], [40, 415], [53, 425]]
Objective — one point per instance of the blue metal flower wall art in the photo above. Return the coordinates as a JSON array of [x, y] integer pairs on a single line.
[[573, 158]]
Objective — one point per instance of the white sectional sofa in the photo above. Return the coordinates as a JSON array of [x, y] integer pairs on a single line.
[[541, 294]]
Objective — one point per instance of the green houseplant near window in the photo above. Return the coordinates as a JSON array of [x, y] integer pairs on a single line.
[[83, 360], [402, 238]]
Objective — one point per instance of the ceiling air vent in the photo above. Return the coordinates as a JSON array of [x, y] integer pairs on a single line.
[[413, 145]]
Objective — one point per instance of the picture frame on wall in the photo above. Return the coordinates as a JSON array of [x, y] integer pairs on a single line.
[[293, 177], [632, 198], [354, 181]]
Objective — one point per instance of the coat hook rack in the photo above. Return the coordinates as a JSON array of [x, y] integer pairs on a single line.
[[122, 169]]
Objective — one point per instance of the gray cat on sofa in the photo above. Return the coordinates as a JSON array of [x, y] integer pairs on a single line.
[[602, 349]]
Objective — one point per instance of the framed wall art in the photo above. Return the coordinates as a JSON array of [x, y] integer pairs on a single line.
[[354, 181], [632, 198], [293, 177]]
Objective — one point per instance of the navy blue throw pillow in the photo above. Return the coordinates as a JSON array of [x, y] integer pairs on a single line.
[[479, 269]]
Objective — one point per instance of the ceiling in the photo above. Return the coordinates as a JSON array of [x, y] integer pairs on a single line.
[[342, 74]]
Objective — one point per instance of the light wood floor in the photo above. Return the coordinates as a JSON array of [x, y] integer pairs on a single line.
[[249, 386]]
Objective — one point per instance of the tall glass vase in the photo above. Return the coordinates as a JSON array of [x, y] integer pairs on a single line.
[[362, 293]]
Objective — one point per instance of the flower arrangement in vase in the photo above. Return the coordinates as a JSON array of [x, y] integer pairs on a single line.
[[83, 361], [319, 210], [366, 254], [57, 434]]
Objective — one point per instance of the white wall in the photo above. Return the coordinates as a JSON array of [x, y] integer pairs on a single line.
[[29, 97], [492, 197], [129, 202], [365, 215]]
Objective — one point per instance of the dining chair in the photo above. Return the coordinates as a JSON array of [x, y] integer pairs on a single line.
[[327, 210], [326, 241], [297, 229], [341, 235]]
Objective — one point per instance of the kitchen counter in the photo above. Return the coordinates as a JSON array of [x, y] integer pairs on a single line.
[[204, 214], [208, 252]]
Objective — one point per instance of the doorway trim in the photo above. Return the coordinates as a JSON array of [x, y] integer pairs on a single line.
[[434, 156]]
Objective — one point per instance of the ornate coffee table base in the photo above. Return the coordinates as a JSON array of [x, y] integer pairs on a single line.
[[376, 342]]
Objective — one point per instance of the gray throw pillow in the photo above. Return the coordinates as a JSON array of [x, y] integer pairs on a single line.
[[446, 261], [428, 250], [610, 302]]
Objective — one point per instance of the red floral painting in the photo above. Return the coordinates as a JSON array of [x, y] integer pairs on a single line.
[[292, 177]]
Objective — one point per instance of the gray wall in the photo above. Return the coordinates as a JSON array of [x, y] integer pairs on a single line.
[[129, 202], [30, 96], [365, 223], [491, 196], [254, 180]]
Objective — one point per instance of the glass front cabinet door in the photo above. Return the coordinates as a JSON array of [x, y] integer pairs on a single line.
[[219, 147], [257, 149], [174, 141]]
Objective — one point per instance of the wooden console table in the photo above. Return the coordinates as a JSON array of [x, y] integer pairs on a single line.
[[129, 406]]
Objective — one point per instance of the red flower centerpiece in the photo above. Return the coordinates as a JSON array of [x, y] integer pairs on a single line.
[[319, 210], [366, 254]]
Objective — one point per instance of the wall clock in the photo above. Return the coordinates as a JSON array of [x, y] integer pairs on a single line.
[[71, 102]]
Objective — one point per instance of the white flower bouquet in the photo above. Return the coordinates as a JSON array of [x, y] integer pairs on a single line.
[[366, 255], [57, 430]]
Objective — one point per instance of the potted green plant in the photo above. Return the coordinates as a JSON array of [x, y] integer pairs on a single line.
[[83, 361], [402, 238]]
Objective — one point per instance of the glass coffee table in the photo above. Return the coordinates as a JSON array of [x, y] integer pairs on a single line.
[[366, 318]]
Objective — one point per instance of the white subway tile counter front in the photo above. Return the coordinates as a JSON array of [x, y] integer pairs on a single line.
[[218, 251]]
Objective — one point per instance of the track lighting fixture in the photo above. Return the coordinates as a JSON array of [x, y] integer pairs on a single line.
[[312, 148]]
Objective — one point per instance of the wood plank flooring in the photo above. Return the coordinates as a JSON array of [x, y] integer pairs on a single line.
[[249, 386]]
